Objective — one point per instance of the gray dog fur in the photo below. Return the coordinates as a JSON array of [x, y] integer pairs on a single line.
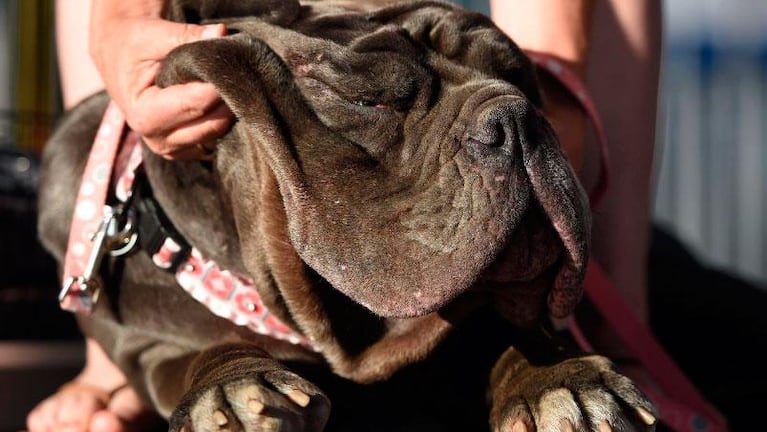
[[389, 176]]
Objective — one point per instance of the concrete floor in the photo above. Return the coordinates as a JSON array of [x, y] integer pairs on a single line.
[[29, 372]]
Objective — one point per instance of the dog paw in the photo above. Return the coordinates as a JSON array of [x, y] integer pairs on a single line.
[[276, 400], [582, 394]]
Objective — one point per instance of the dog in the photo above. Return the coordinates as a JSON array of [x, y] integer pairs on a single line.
[[402, 208]]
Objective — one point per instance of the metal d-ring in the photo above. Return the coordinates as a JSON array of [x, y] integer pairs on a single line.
[[123, 242]]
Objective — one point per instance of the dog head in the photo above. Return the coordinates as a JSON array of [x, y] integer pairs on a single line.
[[411, 158]]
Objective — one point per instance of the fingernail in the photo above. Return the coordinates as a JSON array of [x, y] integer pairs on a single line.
[[212, 31], [566, 426], [519, 427]]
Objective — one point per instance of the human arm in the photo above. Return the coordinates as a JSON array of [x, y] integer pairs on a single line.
[[127, 42], [559, 28], [78, 75]]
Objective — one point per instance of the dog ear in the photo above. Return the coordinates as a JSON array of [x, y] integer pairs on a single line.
[[260, 91], [422, 265], [347, 218], [563, 200], [281, 12]]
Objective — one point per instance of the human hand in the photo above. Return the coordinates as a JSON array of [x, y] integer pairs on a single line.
[[96, 400], [128, 41], [79, 407]]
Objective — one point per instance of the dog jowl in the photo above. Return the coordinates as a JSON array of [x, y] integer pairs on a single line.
[[397, 199]]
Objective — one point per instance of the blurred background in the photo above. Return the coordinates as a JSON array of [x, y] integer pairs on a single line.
[[712, 183], [710, 196], [39, 345]]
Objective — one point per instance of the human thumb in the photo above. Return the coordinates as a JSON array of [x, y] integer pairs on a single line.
[[106, 421], [211, 31], [180, 34]]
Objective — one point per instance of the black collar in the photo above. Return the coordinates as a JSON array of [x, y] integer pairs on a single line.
[[152, 224]]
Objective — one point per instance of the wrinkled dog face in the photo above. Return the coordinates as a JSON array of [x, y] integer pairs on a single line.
[[411, 159]]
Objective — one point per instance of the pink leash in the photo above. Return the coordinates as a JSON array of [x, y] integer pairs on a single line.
[[681, 406], [93, 220], [99, 230]]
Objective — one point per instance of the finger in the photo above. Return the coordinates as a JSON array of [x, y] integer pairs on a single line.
[[195, 140], [74, 410], [126, 404], [68, 409], [160, 36], [128, 413], [203, 152], [106, 421], [157, 112], [41, 419]]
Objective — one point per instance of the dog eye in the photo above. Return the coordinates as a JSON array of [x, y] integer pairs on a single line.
[[370, 103]]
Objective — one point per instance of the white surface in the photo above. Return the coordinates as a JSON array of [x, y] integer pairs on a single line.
[[728, 22]]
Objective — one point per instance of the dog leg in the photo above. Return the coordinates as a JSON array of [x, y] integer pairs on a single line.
[[238, 387], [577, 394]]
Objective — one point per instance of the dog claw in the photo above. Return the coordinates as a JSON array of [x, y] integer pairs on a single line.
[[519, 427], [255, 406], [567, 426], [648, 418], [300, 398], [605, 427], [220, 418]]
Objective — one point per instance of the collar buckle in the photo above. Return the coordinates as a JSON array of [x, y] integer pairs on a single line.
[[116, 235]]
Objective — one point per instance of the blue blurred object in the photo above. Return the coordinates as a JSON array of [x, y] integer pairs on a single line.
[[712, 144], [477, 5]]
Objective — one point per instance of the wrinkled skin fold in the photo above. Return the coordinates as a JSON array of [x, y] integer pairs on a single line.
[[389, 175], [448, 153]]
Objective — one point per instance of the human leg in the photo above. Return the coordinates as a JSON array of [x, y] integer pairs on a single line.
[[623, 76]]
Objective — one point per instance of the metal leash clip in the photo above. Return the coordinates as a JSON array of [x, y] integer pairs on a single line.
[[116, 235]]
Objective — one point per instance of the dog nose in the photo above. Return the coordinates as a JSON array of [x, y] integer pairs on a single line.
[[498, 124]]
